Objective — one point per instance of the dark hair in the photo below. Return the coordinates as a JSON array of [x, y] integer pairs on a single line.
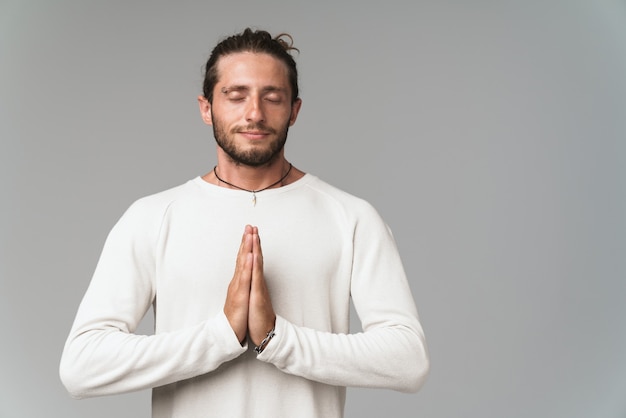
[[258, 41]]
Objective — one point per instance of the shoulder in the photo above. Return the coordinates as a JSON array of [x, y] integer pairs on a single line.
[[160, 201], [148, 211], [353, 206]]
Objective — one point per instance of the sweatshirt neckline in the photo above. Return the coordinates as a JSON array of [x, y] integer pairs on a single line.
[[215, 189]]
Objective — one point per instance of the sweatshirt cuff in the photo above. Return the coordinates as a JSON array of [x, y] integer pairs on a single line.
[[277, 345], [228, 336]]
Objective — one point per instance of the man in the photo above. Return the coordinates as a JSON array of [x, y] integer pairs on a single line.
[[270, 340]]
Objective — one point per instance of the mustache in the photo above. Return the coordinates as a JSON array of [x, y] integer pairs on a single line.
[[260, 127]]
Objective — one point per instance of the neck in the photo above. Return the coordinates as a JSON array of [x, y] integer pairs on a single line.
[[277, 183], [239, 176]]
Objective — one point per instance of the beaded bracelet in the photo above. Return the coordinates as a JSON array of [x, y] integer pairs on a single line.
[[259, 349]]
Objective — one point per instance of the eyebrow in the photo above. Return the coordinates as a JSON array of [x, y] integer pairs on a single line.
[[240, 88]]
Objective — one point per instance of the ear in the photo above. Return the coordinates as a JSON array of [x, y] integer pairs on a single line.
[[295, 109], [205, 110]]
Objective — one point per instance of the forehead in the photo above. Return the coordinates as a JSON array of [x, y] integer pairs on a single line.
[[252, 69]]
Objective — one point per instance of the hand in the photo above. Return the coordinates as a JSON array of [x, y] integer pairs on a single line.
[[238, 295], [248, 306], [261, 316]]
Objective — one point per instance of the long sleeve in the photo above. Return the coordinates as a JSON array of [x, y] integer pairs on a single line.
[[102, 355], [390, 353]]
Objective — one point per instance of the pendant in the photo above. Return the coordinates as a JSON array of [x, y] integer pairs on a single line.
[[253, 199]]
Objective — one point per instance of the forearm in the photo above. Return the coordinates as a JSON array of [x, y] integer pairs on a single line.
[[391, 357], [102, 360]]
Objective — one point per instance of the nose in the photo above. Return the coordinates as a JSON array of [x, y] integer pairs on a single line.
[[255, 111]]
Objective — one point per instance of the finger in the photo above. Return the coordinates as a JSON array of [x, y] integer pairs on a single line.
[[246, 278], [246, 231], [245, 248], [258, 285], [257, 252], [246, 244], [257, 240], [243, 276]]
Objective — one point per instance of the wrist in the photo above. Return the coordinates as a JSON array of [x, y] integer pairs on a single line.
[[259, 348]]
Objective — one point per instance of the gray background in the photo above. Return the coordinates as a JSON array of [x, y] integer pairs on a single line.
[[491, 135]]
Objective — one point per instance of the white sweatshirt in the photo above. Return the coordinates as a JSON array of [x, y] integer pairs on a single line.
[[176, 250]]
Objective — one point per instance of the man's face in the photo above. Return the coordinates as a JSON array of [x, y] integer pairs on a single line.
[[251, 110]]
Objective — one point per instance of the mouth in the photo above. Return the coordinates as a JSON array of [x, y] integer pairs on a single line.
[[254, 134]]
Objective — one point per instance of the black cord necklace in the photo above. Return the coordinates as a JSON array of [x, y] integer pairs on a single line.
[[254, 192]]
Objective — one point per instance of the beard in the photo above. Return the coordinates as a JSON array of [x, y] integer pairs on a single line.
[[256, 156]]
